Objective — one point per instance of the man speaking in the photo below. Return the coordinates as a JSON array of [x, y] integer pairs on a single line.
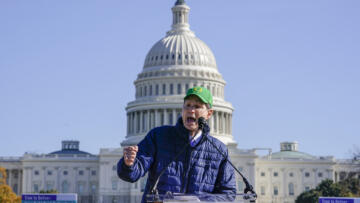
[[182, 153]]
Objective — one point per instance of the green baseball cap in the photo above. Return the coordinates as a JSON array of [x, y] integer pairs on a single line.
[[201, 92]]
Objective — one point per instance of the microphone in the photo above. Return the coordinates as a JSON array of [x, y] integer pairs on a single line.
[[248, 186]]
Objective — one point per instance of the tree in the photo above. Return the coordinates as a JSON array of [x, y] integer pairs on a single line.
[[327, 188], [311, 196], [6, 193]]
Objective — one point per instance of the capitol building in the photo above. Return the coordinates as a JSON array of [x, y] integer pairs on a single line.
[[175, 63]]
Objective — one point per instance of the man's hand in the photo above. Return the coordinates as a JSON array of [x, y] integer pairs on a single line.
[[130, 155]]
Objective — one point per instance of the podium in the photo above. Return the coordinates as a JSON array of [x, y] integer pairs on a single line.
[[196, 198]]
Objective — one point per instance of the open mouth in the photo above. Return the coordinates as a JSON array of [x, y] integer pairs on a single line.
[[191, 120]]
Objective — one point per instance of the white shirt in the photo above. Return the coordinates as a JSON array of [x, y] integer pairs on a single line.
[[196, 139]]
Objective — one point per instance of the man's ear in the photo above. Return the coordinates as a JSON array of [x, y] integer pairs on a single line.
[[209, 114]]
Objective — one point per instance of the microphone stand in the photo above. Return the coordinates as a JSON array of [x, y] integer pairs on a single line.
[[248, 186]]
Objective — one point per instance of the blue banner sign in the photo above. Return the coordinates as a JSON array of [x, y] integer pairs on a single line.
[[338, 200], [49, 198]]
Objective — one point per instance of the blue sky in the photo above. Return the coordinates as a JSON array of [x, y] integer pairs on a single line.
[[292, 69]]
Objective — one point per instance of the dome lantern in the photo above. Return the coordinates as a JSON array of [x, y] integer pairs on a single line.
[[180, 23]]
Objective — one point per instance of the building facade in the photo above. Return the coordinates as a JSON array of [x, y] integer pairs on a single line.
[[175, 63]]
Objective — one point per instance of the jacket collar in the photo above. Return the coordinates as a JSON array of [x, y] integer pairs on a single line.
[[184, 133]]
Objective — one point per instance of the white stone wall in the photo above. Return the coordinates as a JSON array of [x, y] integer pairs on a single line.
[[277, 175], [73, 173]]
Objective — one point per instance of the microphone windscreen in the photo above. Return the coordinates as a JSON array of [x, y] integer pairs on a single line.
[[201, 122]]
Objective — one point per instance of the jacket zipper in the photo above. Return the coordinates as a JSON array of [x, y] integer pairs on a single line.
[[188, 171]]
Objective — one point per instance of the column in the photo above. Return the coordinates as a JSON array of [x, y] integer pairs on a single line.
[[76, 179], [284, 182], [26, 187], [211, 120], [271, 186], [10, 177], [166, 119], [230, 124], [157, 120], [87, 186], [220, 123], [128, 123], [44, 171], [149, 121], [302, 179], [329, 174], [216, 122], [135, 122], [315, 176], [141, 122], [57, 169], [174, 117], [20, 182], [224, 122]]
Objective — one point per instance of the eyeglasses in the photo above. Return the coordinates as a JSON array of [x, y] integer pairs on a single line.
[[195, 107]]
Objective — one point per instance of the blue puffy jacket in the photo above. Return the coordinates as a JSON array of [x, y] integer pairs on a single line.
[[198, 170]]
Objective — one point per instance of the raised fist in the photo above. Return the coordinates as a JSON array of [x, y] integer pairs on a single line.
[[130, 155]]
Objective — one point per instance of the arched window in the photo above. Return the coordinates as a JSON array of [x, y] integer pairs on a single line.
[[291, 189], [80, 187], [276, 191], [262, 190], [65, 186], [93, 187], [36, 188]]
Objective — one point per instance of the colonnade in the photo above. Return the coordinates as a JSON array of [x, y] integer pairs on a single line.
[[141, 121], [14, 179]]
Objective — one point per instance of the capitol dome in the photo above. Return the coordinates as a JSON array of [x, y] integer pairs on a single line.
[[180, 49], [174, 64]]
